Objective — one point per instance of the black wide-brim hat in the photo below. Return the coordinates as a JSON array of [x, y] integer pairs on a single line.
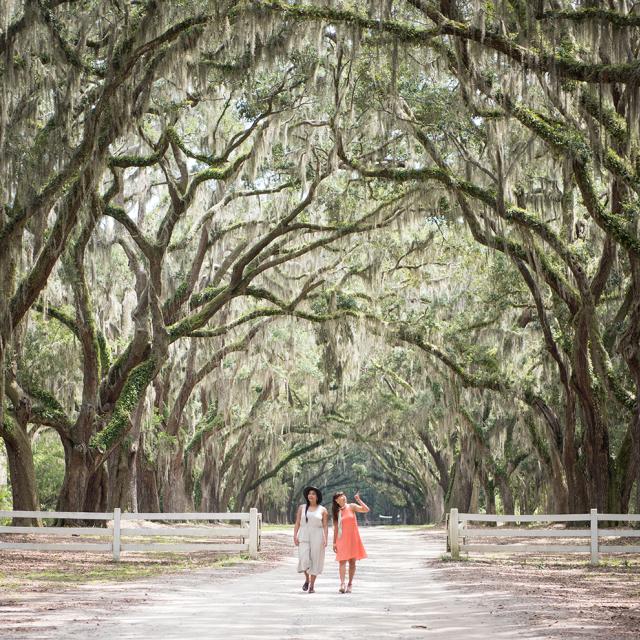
[[305, 493]]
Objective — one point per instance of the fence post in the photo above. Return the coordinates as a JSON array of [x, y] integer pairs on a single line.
[[253, 532], [594, 537], [116, 534], [454, 541], [447, 526]]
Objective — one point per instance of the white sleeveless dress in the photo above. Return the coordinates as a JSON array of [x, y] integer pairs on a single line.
[[310, 542]]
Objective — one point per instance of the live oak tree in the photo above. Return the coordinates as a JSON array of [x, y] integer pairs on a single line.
[[539, 160], [452, 181], [77, 158]]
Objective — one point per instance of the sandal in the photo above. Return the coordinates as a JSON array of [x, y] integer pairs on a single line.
[[305, 586], [312, 590], [342, 588], [348, 588]]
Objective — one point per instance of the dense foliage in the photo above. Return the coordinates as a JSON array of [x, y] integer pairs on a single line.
[[387, 245]]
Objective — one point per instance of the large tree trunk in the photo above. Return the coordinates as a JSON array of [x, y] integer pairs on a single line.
[[596, 435], [148, 496], [21, 471], [175, 497], [576, 482], [210, 483], [630, 349], [625, 473], [490, 496], [461, 477], [188, 482], [77, 477], [13, 431], [123, 467], [97, 494], [506, 494]]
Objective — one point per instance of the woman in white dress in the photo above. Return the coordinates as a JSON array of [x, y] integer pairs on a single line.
[[310, 535]]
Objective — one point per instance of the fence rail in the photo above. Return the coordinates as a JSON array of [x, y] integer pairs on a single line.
[[458, 533], [248, 532]]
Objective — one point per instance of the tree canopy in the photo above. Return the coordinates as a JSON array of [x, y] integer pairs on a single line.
[[379, 244]]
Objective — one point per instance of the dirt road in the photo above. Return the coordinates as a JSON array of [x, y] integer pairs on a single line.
[[396, 595]]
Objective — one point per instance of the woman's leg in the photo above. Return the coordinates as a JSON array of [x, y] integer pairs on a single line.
[[352, 571], [342, 571], [317, 560]]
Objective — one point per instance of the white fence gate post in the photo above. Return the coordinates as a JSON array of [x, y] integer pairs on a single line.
[[454, 540], [594, 537], [116, 534], [253, 532]]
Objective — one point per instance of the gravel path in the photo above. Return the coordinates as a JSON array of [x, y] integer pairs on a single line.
[[396, 595]]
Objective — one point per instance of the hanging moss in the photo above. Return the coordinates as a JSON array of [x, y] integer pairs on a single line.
[[614, 123], [589, 14], [539, 443], [624, 72], [211, 160], [613, 224], [212, 422], [614, 163], [557, 135], [403, 31], [452, 478]]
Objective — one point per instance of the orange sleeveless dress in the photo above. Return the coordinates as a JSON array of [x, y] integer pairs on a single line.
[[348, 544]]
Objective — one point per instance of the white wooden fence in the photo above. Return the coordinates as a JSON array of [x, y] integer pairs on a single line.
[[459, 533], [247, 532]]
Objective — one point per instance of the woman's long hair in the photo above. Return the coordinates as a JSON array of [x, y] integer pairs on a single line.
[[306, 509], [335, 508]]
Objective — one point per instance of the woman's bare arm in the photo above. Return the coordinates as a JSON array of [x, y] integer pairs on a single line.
[[325, 527], [296, 527], [361, 507]]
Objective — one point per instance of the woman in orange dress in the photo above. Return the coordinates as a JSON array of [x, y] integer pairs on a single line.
[[346, 537]]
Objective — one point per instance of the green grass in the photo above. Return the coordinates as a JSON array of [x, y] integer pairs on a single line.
[[77, 574], [277, 527], [447, 558], [404, 527]]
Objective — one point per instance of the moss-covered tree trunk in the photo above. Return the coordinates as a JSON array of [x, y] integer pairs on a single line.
[[175, 495], [122, 469], [21, 470], [506, 494], [461, 478], [596, 435], [210, 482], [630, 349], [489, 488], [97, 495], [78, 471], [576, 482], [146, 482]]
